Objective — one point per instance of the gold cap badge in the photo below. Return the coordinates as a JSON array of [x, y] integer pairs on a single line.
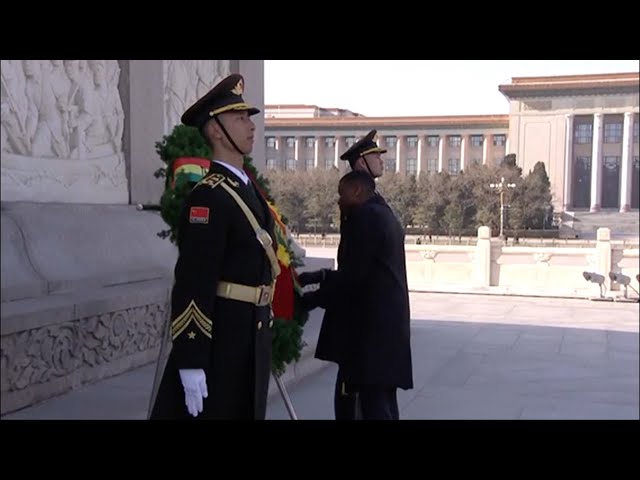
[[239, 88]]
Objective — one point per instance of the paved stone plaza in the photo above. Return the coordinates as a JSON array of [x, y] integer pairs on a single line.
[[475, 357]]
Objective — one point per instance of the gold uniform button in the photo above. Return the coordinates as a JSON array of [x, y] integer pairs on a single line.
[[259, 325], [271, 324]]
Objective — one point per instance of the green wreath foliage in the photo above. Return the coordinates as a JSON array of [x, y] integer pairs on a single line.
[[186, 141]]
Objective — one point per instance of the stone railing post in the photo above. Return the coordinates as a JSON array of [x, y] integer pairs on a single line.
[[483, 258], [603, 253]]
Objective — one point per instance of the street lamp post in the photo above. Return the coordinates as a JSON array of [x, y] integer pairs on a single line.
[[501, 188]]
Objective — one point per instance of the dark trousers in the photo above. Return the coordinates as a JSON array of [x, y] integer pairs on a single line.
[[376, 404], [364, 403], [344, 402]]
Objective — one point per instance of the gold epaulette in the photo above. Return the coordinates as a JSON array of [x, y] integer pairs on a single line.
[[191, 315], [212, 180]]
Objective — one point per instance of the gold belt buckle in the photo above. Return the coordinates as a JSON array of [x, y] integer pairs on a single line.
[[265, 295], [264, 238]]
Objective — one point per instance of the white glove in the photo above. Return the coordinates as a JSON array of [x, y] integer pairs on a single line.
[[194, 382]]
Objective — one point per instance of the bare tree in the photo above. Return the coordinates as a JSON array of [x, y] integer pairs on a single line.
[[287, 189], [321, 187]]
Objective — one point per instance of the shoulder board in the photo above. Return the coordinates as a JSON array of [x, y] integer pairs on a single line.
[[212, 180]]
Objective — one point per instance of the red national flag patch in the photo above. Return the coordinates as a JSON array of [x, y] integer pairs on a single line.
[[199, 215]]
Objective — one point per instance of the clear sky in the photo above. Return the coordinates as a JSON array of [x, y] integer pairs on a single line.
[[414, 87]]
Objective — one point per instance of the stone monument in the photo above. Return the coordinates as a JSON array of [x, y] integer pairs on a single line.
[[85, 278]]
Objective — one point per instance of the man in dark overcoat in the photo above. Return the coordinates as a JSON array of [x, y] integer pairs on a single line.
[[366, 327]]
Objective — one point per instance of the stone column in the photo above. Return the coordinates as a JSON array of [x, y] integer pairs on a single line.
[[596, 163], [464, 142], [296, 153], [339, 141], [487, 142], [318, 149], [146, 122], [441, 152], [627, 170], [401, 156], [422, 156], [279, 159], [568, 160]]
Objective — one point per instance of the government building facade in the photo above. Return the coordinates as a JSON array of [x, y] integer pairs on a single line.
[[583, 127]]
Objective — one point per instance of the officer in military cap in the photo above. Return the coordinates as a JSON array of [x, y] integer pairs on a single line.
[[366, 155], [366, 329], [387, 292], [221, 322]]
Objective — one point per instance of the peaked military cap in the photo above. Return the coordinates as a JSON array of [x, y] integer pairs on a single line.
[[364, 146], [224, 97]]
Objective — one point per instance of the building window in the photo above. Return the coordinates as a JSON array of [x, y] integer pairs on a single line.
[[389, 164], [310, 142], [271, 163], [328, 163], [432, 165], [271, 142], [291, 163], [499, 140], [612, 132], [454, 166], [583, 133], [432, 140], [308, 163], [476, 140], [391, 141], [291, 142], [635, 129], [476, 161], [329, 142], [412, 166], [611, 163], [412, 142], [349, 141], [455, 140]]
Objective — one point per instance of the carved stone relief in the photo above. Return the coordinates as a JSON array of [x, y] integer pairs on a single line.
[[61, 109], [38, 356], [62, 127], [187, 80]]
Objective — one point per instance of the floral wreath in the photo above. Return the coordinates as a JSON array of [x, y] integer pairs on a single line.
[[186, 157]]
